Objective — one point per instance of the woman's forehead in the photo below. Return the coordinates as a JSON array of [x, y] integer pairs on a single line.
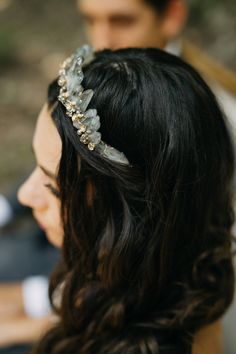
[[46, 141]]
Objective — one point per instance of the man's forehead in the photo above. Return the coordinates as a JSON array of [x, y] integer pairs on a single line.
[[110, 6]]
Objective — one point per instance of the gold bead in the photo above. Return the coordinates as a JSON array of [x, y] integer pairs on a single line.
[[65, 94], [91, 146], [62, 82], [82, 129], [84, 139], [77, 117], [62, 72]]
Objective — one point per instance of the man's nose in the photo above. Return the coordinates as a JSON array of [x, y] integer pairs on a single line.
[[31, 193]]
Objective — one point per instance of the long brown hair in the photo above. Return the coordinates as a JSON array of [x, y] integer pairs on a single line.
[[148, 262]]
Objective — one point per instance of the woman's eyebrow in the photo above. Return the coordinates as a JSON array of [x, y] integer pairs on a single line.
[[48, 173]]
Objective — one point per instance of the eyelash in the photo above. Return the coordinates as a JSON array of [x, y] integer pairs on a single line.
[[53, 190]]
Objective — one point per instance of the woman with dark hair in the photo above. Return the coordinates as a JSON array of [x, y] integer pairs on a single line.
[[134, 182]]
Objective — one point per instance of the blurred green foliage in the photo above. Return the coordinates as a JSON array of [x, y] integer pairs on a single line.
[[200, 11], [7, 47]]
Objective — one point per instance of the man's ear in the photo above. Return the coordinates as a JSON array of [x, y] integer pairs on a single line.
[[174, 19]]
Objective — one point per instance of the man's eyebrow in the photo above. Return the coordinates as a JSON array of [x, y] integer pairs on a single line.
[[48, 173]]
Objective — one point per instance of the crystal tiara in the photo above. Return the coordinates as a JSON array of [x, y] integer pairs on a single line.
[[76, 100]]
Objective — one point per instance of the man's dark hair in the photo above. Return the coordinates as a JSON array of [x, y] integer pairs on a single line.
[[159, 5]]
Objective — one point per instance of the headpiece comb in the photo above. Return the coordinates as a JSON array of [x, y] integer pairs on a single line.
[[76, 100]]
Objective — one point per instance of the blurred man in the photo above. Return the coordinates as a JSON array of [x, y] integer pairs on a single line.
[[151, 23], [160, 23], [155, 23], [133, 23]]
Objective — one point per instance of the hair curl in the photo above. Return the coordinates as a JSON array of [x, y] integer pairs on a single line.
[[148, 262]]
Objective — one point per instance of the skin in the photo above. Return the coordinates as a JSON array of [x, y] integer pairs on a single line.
[[109, 24], [209, 340], [15, 326], [22, 330], [46, 209], [38, 191], [131, 23]]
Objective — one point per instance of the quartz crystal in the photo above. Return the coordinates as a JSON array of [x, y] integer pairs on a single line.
[[76, 101]]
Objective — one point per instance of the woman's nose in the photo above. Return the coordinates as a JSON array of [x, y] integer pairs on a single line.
[[31, 194]]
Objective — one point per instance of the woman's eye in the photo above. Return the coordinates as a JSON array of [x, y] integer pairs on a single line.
[[52, 189]]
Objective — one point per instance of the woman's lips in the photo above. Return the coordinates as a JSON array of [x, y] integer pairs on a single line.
[[42, 227], [40, 224]]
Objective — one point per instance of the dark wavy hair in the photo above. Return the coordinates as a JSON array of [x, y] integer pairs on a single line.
[[147, 257]]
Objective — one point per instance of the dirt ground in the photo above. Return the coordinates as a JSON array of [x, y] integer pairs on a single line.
[[34, 38]]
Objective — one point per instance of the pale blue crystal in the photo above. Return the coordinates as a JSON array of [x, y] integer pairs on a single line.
[[77, 125], [92, 123], [73, 82], [77, 102], [85, 52], [95, 138], [85, 98], [112, 154], [90, 113]]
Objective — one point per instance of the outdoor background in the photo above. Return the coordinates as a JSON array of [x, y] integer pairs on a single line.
[[34, 38]]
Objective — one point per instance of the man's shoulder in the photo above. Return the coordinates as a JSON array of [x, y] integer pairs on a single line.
[[226, 99], [209, 67], [221, 80]]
